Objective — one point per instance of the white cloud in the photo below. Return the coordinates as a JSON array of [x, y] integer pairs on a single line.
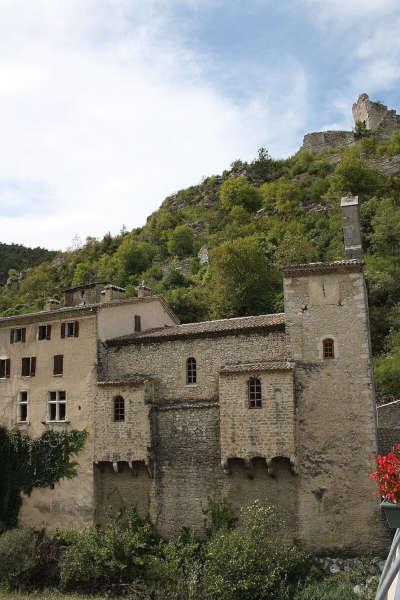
[[104, 107], [369, 32]]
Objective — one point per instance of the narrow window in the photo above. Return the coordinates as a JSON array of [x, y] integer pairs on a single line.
[[255, 393], [56, 406], [5, 365], [44, 332], [18, 335], [28, 366], [23, 407], [119, 408], [191, 371], [138, 325], [58, 364], [328, 346]]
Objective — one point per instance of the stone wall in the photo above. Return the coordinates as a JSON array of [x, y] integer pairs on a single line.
[[376, 116], [335, 407], [268, 431], [321, 140]]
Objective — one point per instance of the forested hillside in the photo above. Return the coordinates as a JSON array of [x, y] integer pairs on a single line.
[[252, 219], [18, 258]]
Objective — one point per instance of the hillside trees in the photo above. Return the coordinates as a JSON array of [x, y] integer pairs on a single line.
[[242, 282]]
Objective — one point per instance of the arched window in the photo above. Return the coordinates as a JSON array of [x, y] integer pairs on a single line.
[[254, 392], [328, 347], [119, 408], [191, 371]]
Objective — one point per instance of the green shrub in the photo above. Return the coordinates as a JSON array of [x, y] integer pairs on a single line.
[[95, 558], [28, 559], [253, 562], [176, 573]]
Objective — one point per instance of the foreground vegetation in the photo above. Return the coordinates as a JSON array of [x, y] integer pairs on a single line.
[[240, 559], [253, 218]]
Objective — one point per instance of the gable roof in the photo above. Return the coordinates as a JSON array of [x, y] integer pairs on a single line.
[[220, 327]]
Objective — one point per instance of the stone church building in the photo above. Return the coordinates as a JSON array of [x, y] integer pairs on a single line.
[[277, 407]]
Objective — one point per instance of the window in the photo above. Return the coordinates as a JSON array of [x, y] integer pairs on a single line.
[[138, 325], [255, 394], [44, 332], [18, 335], [5, 368], [28, 366], [23, 407], [191, 372], [56, 406], [119, 408], [58, 364], [70, 329], [328, 346]]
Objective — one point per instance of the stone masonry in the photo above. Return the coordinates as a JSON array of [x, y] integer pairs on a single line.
[[279, 407], [375, 116]]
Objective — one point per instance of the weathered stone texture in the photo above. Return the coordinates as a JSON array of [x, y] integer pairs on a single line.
[[336, 409], [321, 140], [266, 432], [376, 116]]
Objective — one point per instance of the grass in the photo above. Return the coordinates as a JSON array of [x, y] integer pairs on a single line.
[[50, 595]]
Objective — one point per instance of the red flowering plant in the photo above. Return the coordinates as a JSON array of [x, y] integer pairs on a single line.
[[387, 475]]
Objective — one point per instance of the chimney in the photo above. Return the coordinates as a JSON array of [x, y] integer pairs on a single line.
[[52, 304], [143, 290], [351, 227], [111, 292]]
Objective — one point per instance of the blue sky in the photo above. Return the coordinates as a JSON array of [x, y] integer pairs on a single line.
[[108, 106]]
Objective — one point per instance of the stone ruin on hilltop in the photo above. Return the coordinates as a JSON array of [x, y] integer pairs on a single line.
[[375, 116]]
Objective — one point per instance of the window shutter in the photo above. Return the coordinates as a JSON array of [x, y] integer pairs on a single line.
[[23, 334], [76, 329], [8, 367], [48, 334], [63, 330], [12, 336], [33, 366]]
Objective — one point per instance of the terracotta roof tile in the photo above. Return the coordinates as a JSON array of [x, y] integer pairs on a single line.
[[324, 267], [203, 329]]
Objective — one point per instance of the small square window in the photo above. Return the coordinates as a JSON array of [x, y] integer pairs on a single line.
[[18, 335], [44, 332], [28, 366], [5, 368]]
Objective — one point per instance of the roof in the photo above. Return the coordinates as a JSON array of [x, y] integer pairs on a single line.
[[131, 379], [203, 329], [88, 308], [280, 364], [324, 267], [85, 285]]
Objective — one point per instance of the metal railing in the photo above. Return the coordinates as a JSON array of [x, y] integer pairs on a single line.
[[390, 571]]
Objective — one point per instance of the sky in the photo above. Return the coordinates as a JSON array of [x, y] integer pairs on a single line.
[[109, 106]]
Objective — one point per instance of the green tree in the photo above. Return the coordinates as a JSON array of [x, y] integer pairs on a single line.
[[242, 282], [181, 241], [237, 191]]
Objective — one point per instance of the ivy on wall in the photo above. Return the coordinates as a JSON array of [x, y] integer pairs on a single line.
[[26, 463]]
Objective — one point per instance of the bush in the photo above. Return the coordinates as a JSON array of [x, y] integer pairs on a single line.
[[176, 573], [339, 587], [237, 191], [97, 558], [28, 559], [253, 562]]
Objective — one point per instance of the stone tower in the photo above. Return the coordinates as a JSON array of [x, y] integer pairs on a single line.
[[376, 116], [328, 331]]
